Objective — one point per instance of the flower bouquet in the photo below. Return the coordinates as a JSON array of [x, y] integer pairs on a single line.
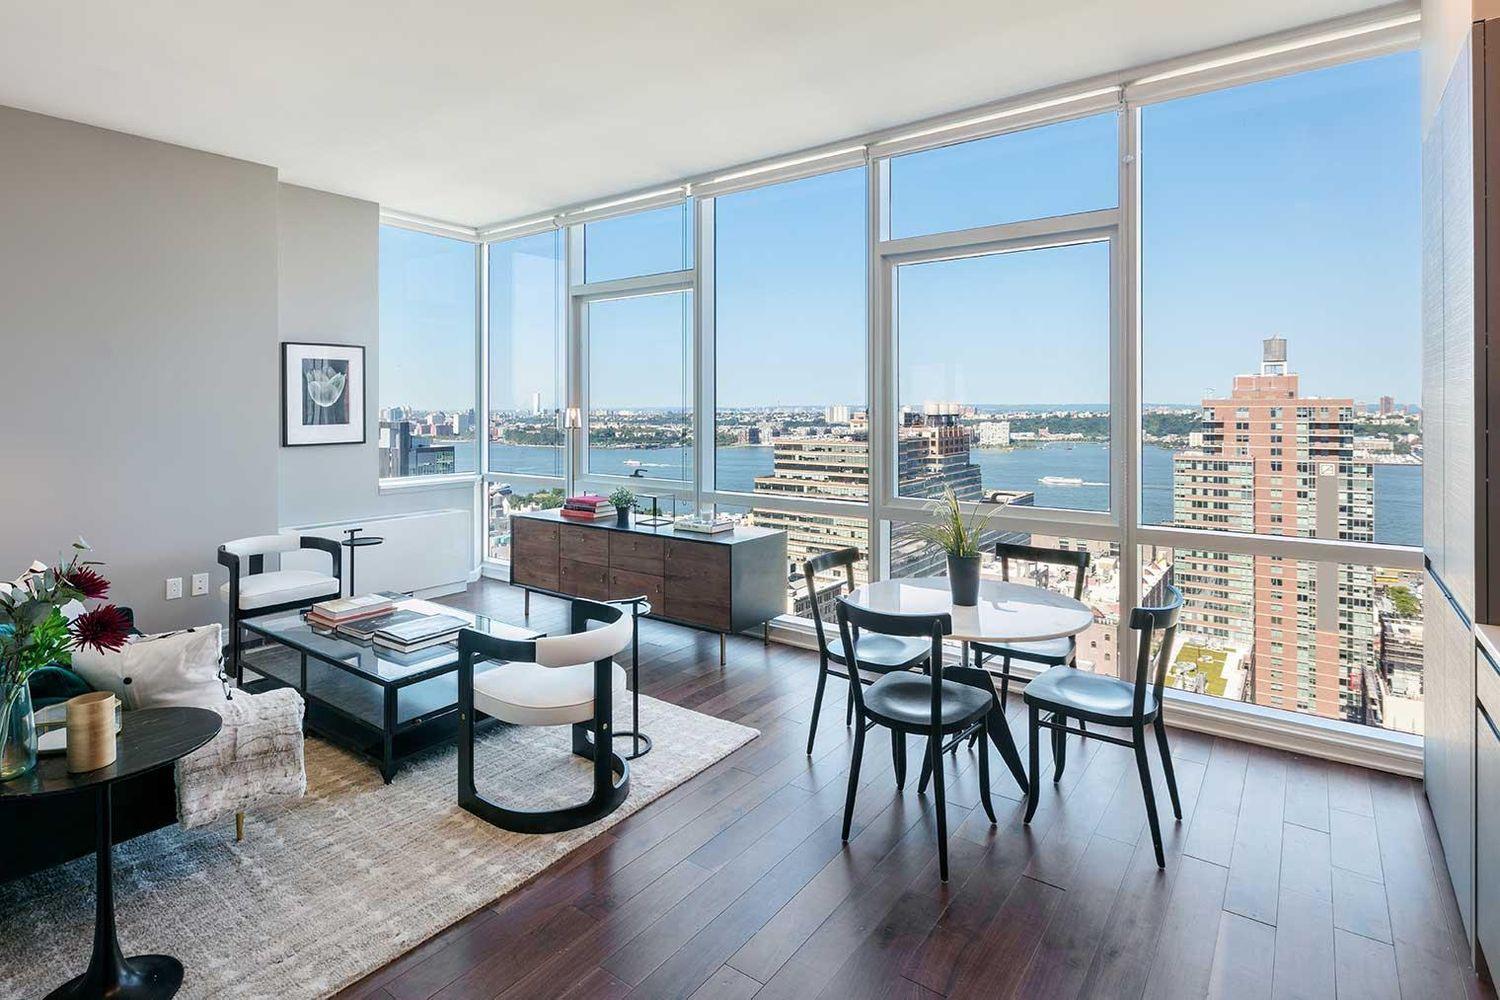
[[43, 618]]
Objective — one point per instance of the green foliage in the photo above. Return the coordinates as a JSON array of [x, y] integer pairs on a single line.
[[622, 498], [952, 532], [33, 630], [1406, 603]]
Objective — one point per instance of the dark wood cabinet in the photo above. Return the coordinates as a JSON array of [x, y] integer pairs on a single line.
[[728, 582]]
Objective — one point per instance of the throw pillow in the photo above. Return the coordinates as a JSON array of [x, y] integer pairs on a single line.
[[155, 671]]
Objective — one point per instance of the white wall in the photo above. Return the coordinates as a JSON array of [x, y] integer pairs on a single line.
[[137, 355]]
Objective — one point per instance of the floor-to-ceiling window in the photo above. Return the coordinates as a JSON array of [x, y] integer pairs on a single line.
[[524, 439], [427, 323], [791, 421], [1174, 326], [1281, 374]]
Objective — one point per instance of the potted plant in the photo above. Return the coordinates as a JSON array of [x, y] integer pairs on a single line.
[[624, 502], [959, 538], [42, 619]]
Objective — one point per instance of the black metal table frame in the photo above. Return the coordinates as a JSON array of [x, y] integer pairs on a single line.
[[390, 729]]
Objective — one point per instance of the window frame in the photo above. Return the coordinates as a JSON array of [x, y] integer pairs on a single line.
[[1367, 35]]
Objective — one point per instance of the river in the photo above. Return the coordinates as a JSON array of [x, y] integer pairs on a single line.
[[1398, 488]]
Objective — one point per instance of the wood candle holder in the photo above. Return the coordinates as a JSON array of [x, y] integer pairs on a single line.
[[91, 731]]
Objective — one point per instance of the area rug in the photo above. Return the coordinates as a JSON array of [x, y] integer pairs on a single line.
[[330, 887]]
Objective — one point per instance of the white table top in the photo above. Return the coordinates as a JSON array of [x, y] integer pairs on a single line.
[[1007, 612]]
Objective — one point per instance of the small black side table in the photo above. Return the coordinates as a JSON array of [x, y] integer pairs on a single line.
[[149, 738], [353, 543], [638, 606]]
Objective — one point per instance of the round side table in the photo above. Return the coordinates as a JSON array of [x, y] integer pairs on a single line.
[[357, 541], [149, 738]]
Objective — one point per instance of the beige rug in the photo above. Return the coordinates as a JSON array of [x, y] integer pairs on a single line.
[[324, 890]]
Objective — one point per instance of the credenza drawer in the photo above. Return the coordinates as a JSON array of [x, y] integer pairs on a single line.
[[590, 545], [685, 604], [584, 579], [702, 566], [636, 553], [623, 584], [533, 553]]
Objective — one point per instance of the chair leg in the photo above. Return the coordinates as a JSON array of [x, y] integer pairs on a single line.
[[1166, 766], [1074, 664], [1059, 745], [237, 668], [812, 729], [898, 757], [859, 752], [1034, 729], [926, 772], [939, 801], [849, 705], [984, 775], [1143, 764], [239, 826], [1004, 682]]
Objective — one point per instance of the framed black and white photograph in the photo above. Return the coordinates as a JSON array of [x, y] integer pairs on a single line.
[[322, 394]]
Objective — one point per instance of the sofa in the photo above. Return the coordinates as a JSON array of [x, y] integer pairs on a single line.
[[256, 759]]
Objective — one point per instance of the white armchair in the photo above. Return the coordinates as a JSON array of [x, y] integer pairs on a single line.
[[258, 592], [554, 681]]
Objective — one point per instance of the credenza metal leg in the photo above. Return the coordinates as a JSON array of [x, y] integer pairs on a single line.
[[527, 612], [723, 646]]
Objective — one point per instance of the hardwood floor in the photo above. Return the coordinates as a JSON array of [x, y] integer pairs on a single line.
[[1287, 877]]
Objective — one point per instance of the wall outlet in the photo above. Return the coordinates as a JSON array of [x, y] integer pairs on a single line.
[[174, 588], [200, 584]]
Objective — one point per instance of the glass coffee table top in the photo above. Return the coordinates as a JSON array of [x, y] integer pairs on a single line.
[[374, 663]]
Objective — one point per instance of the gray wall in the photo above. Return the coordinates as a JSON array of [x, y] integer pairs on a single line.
[[144, 291], [138, 338], [330, 259]]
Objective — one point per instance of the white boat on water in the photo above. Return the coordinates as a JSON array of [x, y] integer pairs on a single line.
[[1061, 481]]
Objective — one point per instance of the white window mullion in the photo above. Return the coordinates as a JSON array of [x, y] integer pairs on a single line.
[[705, 395]]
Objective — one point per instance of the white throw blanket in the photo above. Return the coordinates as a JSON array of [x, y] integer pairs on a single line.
[[255, 759]]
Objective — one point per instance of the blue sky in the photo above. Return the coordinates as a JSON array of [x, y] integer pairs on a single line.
[[1284, 207]]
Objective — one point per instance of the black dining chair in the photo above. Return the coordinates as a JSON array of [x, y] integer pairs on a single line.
[[1047, 652], [909, 703], [878, 654], [1066, 694]]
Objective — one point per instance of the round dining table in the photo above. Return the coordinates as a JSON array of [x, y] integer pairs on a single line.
[[1006, 613]]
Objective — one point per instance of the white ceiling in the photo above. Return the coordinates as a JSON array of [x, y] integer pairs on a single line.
[[476, 111]]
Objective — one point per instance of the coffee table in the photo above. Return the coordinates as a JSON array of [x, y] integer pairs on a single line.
[[384, 706], [149, 738]]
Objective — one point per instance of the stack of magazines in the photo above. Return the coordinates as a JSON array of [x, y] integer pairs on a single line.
[[346, 611], [587, 507], [420, 632]]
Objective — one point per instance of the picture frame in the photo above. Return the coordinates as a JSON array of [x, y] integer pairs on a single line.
[[322, 394]]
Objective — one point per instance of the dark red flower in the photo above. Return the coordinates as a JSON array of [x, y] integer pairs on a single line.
[[87, 582], [104, 628]]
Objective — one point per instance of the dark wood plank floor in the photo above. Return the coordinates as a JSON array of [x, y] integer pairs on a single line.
[[1287, 877]]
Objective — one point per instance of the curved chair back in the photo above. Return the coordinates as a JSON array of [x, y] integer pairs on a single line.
[[255, 548], [852, 618], [1078, 559], [581, 645], [1148, 622], [822, 563]]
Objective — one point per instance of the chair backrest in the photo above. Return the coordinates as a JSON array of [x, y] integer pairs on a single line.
[[852, 618], [1148, 622], [822, 563], [1076, 558], [261, 545], [580, 645]]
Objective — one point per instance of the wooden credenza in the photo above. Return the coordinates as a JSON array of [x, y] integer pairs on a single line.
[[727, 582]]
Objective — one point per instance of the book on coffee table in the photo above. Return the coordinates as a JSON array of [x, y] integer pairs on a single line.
[[363, 629], [428, 630]]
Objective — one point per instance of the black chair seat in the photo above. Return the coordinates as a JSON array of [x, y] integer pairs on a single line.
[[905, 700], [882, 653], [1079, 694], [1043, 651]]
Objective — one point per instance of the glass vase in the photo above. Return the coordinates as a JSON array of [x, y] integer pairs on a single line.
[[17, 731]]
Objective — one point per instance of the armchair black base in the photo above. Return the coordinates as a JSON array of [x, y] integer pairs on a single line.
[[611, 786]]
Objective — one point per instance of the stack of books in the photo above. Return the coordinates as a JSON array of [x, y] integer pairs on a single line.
[[344, 611], [587, 507], [419, 633], [364, 629]]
